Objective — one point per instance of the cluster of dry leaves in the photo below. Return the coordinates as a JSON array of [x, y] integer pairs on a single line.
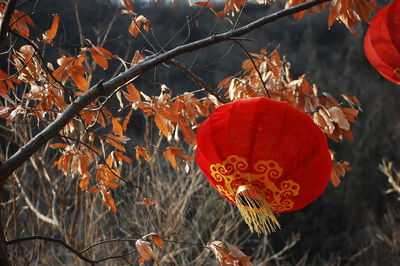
[[348, 12], [268, 75]]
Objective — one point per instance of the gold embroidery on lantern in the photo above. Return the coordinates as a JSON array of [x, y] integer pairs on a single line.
[[234, 172]]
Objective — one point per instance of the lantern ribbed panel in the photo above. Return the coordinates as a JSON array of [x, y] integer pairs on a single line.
[[382, 41], [264, 130]]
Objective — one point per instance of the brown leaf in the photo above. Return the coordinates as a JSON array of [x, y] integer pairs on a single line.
[[132, 94], [127, 4], [143, 152], [84, 182], [171, 158], [117, 128], [136, 23], [338, 116], [58, 145], [205, 4], [158, 240], [137, 58], [101, 55], [80, 81], [127, 120], [221, 253], [163, 125], [144, 250], [51, 33], [231, 5], [115, 142], [155, 238], [109, 201], [236, 253], [188, 133], [148, 202], [121, 157]]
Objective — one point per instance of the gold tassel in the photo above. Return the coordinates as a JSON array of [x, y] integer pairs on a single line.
[[256, 211]]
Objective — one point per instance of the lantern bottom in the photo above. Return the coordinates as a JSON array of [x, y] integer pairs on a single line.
[[256, 211]]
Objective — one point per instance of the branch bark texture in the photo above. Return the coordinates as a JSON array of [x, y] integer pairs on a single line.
[[103, 89]]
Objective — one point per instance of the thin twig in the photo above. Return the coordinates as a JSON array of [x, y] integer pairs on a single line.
[[254, 64], [58, 241], [197, 80]]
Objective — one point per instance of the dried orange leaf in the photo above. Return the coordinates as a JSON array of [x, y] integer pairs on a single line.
[[101, 55], [109, 201], [114, 141], [57, 145], [136, 23], [121, 157], [171, 158], [148, 202], [126, 120], [84, 182], [144, 250], [205, 4], [51, 33], [143, 152], [132, 95], [221, 253], [155, 238], [117, 128], [158, 240], [137, 58], [127, 4], [93, 189]]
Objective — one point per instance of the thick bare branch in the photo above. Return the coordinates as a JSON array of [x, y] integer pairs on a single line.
[[150, 62]]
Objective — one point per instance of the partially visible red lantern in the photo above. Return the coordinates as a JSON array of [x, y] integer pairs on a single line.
[[382, 42], [265, 157]]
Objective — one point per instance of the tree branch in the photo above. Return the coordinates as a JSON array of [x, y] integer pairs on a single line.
[[58, 241], [150, 62], [6, 19]]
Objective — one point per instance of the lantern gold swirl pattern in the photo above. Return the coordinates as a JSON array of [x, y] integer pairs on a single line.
[[234, 172]]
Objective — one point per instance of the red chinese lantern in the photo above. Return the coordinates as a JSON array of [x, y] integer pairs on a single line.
[[382, 42], [265, 157]]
